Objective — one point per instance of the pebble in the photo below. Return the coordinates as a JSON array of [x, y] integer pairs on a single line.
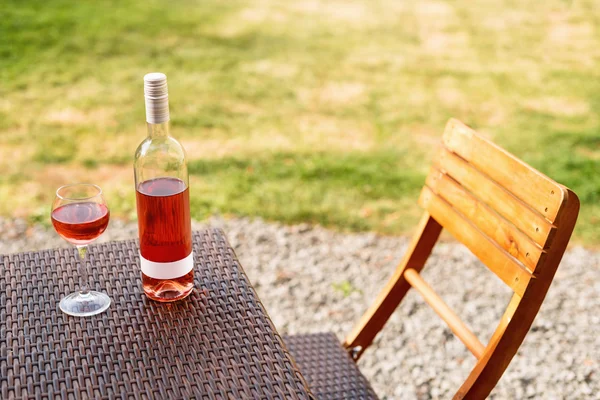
[[312, 280]]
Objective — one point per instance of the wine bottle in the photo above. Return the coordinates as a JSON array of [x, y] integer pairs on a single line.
[[163, 202]]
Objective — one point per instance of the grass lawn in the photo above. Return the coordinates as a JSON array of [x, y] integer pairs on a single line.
[[319, 111]]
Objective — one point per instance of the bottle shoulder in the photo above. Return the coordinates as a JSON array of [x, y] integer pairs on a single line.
[[163, 147]]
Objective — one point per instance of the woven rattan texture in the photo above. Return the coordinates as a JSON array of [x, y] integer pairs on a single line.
[[327, 367], [217, 343]]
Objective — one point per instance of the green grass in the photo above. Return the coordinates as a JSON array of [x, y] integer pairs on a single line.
[[353, 190], [318, 111]]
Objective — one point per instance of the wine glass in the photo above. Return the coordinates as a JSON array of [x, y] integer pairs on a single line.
[[80, 215]]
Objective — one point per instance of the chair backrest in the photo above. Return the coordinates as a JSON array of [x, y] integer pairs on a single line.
[[516, 220]]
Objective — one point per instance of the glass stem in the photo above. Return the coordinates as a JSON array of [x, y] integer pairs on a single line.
[[82, 271]]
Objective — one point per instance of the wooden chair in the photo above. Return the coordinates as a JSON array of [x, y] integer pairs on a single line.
[[514, 219]]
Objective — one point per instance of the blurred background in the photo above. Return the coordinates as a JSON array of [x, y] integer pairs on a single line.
[[308, 112], [312, 111]]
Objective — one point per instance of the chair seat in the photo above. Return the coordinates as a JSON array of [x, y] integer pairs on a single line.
[[327, 367]]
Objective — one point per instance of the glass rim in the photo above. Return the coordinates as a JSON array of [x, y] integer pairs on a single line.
[[98, 188]]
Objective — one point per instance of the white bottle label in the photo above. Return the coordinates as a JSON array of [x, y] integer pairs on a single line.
[[167, 270]]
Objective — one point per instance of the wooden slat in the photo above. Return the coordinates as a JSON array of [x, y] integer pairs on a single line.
[[494, 226], [532, 187], [493, 256], [445, 312], [504, 203]]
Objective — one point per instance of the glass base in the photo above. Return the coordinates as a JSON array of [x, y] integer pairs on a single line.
[[84, 305]]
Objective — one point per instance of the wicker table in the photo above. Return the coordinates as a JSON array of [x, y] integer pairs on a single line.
[[218, 343]]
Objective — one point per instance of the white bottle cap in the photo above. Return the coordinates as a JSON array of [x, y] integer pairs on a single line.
[[157, 98]]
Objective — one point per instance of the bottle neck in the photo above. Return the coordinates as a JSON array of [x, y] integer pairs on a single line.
[[156, 96], [158, 130]]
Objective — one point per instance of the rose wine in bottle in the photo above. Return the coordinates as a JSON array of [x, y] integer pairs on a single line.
[[163, 202]]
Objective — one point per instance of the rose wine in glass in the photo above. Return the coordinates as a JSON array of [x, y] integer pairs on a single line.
[[163, 202], [80, 215], [80, 223]]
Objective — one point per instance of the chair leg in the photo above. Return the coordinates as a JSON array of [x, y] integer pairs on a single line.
[[392, 294], [520, 313]]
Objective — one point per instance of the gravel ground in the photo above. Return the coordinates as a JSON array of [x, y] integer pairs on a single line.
[[312, 279]]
